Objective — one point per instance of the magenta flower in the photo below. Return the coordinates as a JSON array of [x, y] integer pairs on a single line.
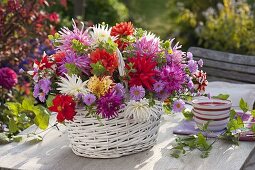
[[8, 78], [89, 99], [158, 86], [109, 104], [190, 84], [147, 47], [81, 62], [192, 65], [178, 105], [67, 36], [173, 77], [137, 92]]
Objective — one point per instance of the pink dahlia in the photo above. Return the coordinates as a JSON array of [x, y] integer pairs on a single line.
[[173, 77], [67, 37], [8, 78], [147, 46]]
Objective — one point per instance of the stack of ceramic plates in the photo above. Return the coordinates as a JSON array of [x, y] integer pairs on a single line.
[[213, 110]]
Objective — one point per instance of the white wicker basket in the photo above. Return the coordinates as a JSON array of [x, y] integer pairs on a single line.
[[112, 138]]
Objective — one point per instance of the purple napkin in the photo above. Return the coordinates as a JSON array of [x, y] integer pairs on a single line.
[[189, 128]]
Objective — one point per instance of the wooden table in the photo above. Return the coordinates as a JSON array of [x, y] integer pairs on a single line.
[[54, 153]]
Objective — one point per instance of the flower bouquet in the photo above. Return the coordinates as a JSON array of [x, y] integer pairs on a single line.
[[109, 86]]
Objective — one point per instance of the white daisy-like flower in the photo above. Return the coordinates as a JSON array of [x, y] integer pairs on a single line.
[[150, 36], [140, 111], [72, 85], [101, 33]]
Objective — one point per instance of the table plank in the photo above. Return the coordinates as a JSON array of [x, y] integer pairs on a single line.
[[54, 153]]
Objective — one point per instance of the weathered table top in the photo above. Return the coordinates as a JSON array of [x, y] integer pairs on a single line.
[[54, 153]]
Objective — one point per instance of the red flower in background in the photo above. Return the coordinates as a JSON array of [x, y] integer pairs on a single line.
[[8, 78], [109, 61], [121, 30], [144, 72], [64, 106], [54, 17], [200, 81]]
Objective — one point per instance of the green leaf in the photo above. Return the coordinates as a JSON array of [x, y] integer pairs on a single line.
[[49, 101], [4, 139], [253, 113], [201, 141], [13, 126], [28, 103], [14, 107], [17, 138], [177, 152], [97, 69], [243, 105], [187, 114], [232, 114], [33, 138], [72, 69], [253, 128], [42, 117], [221, 96]]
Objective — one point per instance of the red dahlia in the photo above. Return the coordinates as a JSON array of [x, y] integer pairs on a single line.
[[121, 30], [64, 106], [144, 72], [109, 61], [58, 57]]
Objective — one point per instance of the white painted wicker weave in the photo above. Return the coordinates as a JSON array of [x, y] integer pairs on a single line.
[[112, 138]]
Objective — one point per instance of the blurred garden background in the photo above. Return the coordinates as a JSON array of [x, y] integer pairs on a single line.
[[224, 25]]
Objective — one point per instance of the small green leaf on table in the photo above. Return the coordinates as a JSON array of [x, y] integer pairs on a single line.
[[33, 138], [243, 105], [221, 96], [187, 114], [4, 139], [253, 113], [17, 138]]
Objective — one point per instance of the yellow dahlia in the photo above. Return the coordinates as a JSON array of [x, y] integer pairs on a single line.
[[99, 86]]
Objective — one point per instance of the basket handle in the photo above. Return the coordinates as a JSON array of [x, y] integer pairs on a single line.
[[121, 63]]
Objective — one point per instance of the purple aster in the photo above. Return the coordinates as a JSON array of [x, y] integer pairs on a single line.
[[162, 95], [147, 46], [200, 63], [137, 92], [89, 99], [119, 88], [45, 85], [173, 77], [192, 65], [41, 89], [189, 55], [109, 104], [82, 62], [67, 36], [178, 105], [36, 90], [158, 86]]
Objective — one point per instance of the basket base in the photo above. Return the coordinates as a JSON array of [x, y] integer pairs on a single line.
[[115, 152]]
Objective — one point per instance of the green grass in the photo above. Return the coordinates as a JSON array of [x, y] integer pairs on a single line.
[[151, 15]]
